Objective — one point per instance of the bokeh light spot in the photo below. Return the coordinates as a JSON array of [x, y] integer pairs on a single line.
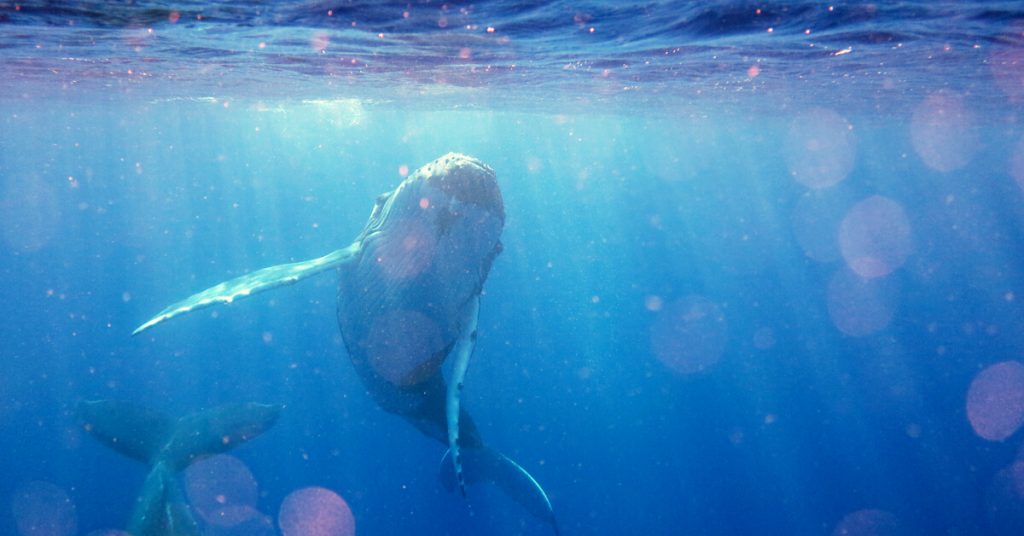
[[816, 219], [820, 148], [534, 164], [319, 41], [689, 335], [316, 511], [222, 490], [31, 214], [869, 522], [407, 250], [1017, 163], [1004, 501], [859, 306], [1008, 66], [995, 401], [875, 237], [653, 303], [689, 153], [43, 509], [764, 338], [404, 346], [943, 133]]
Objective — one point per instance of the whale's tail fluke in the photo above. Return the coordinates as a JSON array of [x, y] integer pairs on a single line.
[[483, 464], [168, 446]]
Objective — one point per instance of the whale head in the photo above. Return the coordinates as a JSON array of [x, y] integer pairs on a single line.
[[445, 218], [425, 254]]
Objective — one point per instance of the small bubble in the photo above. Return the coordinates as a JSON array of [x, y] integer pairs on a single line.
[[764, 338], [868, 523], [31, 213], [1017, 163], [1007, 64]]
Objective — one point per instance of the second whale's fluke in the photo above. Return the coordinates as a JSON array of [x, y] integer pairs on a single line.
[[168, 446]]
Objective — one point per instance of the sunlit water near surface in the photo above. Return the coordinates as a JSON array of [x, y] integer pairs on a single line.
[[763, 264]]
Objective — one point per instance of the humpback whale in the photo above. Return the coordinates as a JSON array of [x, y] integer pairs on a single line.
[[408, 299], [169, 446]]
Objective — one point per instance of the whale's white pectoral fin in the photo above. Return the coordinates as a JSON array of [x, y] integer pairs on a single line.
[[251, 283], [462, 352]]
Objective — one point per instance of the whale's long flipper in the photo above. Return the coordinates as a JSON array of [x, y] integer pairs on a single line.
[[461, 354], [168, 446], [483, 464], [251, 283]]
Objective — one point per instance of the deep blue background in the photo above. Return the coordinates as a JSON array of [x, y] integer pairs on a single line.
[[113, 211]]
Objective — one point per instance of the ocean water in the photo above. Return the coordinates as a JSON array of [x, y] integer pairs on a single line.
[[763, 263]]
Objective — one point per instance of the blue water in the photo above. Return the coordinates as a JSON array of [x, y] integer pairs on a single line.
[[753, 281]]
